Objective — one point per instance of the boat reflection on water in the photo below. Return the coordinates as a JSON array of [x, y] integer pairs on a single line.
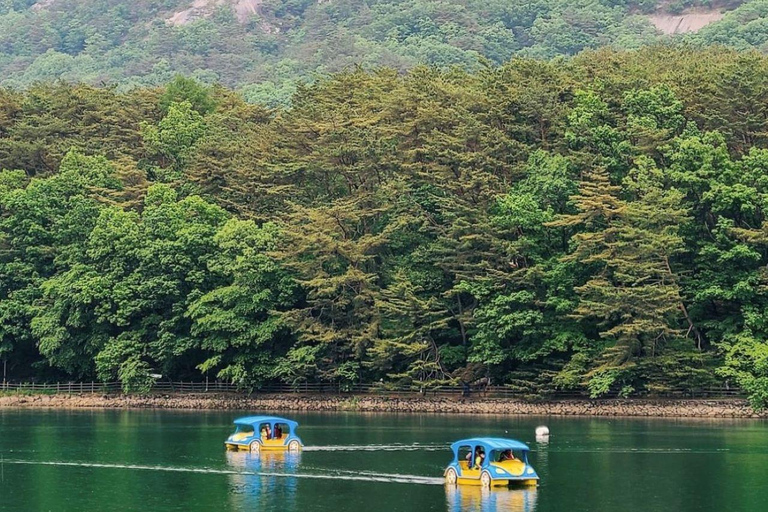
[[470, 498], [255, 487]]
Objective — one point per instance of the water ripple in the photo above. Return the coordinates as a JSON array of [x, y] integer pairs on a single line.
[[363, 476], [377, 448]]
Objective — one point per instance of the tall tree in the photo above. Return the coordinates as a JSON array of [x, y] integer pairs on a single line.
[[632, 291]]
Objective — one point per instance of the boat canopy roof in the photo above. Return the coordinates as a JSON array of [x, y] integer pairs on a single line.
[[491, 443], [256, 420]]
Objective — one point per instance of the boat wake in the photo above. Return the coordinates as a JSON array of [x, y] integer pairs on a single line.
[[636, 450], [362, 476], [377, 448]]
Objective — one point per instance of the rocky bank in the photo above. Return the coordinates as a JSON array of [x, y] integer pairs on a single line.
[[727, 408]]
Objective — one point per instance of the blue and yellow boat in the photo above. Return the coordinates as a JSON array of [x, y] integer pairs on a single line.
[[256, 433], [490, 462]]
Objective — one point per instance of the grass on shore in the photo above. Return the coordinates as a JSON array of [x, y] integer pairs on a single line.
[[27, 392]]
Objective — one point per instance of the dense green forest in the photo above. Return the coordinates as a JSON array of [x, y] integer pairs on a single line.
[[594, 223], [264, 47]]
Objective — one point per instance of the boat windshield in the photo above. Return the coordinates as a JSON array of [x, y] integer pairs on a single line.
[[242, 432], [504, 455], [243, 429]]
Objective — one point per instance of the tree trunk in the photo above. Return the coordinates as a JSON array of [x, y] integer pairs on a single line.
[[701, 341]]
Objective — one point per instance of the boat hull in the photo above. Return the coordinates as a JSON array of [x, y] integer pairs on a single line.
[[499, 482], [264, 447]]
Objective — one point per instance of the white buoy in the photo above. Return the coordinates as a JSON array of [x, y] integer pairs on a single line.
[[542, 434]]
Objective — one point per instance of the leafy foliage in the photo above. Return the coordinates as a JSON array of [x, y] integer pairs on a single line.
[[288, 42], [596, 223]]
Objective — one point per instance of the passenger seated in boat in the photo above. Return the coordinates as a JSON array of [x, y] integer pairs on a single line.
[[266, 432], [506, 455], [479, 456], [278, 432]]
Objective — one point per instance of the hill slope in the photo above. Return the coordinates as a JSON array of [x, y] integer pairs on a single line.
[[271, 43]]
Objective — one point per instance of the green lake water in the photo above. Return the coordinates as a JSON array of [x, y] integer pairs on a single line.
[[89, 461]]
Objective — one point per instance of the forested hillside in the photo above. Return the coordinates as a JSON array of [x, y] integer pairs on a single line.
[[597, 222], [264, 47]]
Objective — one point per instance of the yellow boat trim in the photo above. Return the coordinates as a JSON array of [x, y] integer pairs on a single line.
[[247, 448], [239, 436], [513, 467], [497, 483], [476, 481]]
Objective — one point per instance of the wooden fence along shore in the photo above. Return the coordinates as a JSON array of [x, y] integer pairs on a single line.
[[348, 389]]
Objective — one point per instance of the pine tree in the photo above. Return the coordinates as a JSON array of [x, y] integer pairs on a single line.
[[632, 291], [411, 320]]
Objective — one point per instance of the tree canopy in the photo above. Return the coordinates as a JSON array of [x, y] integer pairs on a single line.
[[594, 223], [266, 49]]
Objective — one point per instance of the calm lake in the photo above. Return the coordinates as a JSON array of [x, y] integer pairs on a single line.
[[88, 461]]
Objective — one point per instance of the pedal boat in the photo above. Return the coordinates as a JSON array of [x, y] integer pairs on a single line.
[[257, 433], [492, 471]]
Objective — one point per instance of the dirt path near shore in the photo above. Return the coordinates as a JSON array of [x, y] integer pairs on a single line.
[[643, 408]]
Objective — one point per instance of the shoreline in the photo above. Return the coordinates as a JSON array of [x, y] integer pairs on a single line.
[[662, 408]]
